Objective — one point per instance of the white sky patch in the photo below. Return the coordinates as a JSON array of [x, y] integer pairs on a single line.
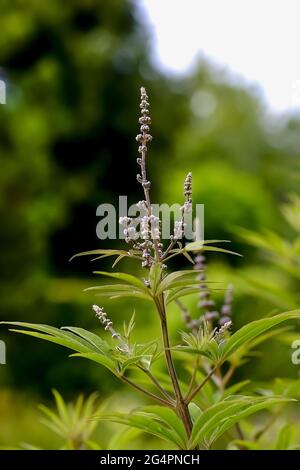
[[257, 39]]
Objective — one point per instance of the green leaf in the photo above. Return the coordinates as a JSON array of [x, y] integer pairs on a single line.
[[121, 438], [210, 419], [99, 359], [284, 438], [101, 252], [237, 358], [61, 407], [180, 292], [249, 445], [219, 352], [27, 446], [90, 337], [234, 389], [128, 329], [83, 342], [217, 419], [117, 260], [53, 422], [53, 334], [128, 278], [111, 288], [205, 242], [195, 411], [92, 445], [197, 246], [135, 360], [71, 344], [146, 422], [188, 257], [118, 290], [168, 281], [251, 408], [171, 420], [252, 330]]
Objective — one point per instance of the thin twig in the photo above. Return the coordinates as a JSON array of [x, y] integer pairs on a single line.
[[228, 375], [193, 377], [146, 392], [156, 383], [170, 247], [191, 395]]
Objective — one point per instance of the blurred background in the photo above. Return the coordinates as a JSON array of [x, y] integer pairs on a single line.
[[224, 105]]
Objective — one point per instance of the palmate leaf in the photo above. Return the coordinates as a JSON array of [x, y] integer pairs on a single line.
[[134, 360], [71, 421], [217, 419], [139, 355], [220, 351], [117, 363], [209, 350]]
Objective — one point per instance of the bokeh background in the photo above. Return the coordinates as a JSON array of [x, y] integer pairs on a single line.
[[73, 73]]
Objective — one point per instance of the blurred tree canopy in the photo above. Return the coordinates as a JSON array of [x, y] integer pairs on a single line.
[[73, 72], [66, 144]]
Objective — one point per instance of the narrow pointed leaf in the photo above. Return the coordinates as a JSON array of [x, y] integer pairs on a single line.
[[254, 329], [90, 337], [128, 278], [168, 280], [100, 359], [100, 252]]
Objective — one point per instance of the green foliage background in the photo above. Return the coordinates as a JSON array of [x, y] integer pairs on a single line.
[[67, 144]]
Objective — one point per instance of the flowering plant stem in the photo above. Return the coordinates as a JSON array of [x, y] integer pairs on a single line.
[[181, 406], [186, 424]]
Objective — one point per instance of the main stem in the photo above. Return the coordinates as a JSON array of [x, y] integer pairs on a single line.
[[181, 406]]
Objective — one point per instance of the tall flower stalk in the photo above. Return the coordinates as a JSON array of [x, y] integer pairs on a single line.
[[208, 339], [143, 138]]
